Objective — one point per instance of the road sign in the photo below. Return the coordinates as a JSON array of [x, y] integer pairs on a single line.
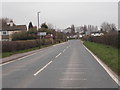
[[42, 33]]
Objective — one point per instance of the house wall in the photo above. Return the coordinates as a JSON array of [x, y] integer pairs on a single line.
[[7, 36], [67, 30]]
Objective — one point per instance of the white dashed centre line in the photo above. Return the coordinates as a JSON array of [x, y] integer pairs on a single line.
[[58, 55], [64, 50], [42, 68]]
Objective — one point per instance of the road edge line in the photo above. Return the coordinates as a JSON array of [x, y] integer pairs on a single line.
[[106, 68]]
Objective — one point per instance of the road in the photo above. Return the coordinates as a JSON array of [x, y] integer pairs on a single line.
[[67, 65]]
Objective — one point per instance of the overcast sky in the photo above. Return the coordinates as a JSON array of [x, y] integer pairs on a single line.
[[62, 14]]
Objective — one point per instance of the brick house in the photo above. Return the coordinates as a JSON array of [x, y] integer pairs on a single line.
[[8, 30]]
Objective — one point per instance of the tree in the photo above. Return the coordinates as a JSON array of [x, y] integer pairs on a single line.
[[106, 27], [4, 21], [50, 26], [72, 30], [77, 29], [85, 29], [44, 26], [30, 25], [32, 31]]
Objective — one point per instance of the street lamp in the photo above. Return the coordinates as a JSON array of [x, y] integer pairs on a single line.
[[38, 19], [38, 26]]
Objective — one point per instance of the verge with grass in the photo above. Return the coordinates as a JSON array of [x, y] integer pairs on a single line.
[[107, 54]]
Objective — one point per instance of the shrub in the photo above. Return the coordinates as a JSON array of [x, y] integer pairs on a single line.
[[21, 45], [31, 34], [18, 45], [107, 39]]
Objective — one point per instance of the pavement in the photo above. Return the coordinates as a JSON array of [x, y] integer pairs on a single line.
[[67, 65]]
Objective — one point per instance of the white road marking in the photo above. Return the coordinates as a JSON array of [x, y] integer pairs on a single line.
[[58, 55], [17, 59], [6, 63], [64, 50], [42, 68], [25, 56], [109, 71], [68, 47]]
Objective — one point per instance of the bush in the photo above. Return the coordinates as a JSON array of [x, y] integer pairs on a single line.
[[107, 39], [21, 45], [31, 34], [18, 45]]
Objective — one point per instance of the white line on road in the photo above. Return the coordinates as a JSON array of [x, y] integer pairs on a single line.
[[27, 56], [18, 59], [7, 63], [64, 50], [42, 68], [58, 55], [109, 71]]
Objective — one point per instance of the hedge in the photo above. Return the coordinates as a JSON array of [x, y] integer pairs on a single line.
[[107, 39], [10, 46]]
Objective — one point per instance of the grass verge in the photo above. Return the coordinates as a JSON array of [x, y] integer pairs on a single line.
[[107, 54]]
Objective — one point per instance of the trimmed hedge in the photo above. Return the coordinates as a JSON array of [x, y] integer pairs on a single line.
[[107, 39], [22, 45]]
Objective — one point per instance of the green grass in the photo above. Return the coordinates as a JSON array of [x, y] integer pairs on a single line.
[[7, 54], [107, 54]]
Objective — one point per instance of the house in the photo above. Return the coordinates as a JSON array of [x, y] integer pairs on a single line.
[[50, 37], [7, 30], [67, 30], [97, 33]]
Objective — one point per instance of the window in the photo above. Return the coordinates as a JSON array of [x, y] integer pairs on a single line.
[[4, 32]]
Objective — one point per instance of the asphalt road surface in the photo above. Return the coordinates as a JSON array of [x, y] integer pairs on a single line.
[[67, 65]]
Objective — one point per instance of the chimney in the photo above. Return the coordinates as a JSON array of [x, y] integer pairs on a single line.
[[11, 23]]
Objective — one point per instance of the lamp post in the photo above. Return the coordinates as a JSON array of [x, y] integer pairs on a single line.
[[38, 19], [38, 26]]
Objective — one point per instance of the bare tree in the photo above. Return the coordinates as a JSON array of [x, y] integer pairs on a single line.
[[113, 27], [72, 29], [50, 26], [4, 21], [85, 29], [108, 27], [77, 29]]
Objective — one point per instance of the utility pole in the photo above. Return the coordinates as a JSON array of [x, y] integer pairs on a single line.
[[38, 19], [38, 27]]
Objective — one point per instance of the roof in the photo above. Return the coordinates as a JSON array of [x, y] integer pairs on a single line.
[[96, 32], [68, 28], [49, 36], [13, 28]]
